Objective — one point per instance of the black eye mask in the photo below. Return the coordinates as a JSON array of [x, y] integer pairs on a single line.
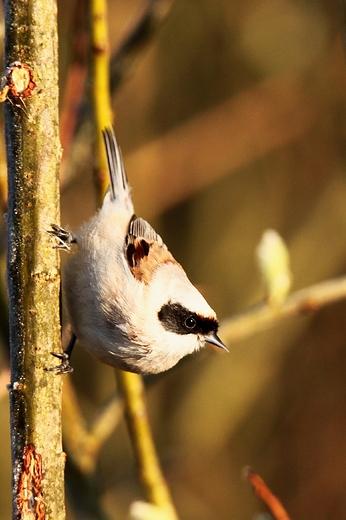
[[178, 319]]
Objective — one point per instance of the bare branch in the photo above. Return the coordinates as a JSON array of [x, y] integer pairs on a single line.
[[84, 443], [33, 155], [269, 499], [137, 40], [99, 79], [131, 384], [147, 461], [262, 316]]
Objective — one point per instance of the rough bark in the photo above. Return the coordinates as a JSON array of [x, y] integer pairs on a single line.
[[33, 155]]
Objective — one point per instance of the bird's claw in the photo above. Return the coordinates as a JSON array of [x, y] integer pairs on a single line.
[[63, 236], [64, 367]]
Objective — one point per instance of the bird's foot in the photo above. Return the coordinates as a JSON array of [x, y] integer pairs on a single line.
[[64, 367], [64, 237]]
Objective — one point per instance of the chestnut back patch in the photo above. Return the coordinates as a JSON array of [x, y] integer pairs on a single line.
[[145, 257], [136, 251]]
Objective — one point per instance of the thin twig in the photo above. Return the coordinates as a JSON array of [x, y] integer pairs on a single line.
[[77, 155], [263, 492], [131, 384], [101, 101], [137, 40], [299, 303], [147, 461], [84, 443], [74, 92]]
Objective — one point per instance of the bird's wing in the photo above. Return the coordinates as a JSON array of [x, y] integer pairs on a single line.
[[145, 250], [140, 228]]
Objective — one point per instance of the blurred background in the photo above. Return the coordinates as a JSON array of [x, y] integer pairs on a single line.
[[231, 121]]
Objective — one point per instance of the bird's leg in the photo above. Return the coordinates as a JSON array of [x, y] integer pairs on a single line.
[[64, 240], [63, 236], [64, 367]]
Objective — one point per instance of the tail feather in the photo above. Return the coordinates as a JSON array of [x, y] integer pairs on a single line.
[[119, 189]]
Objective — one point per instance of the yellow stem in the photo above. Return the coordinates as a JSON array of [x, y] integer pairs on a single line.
[[131, 384], [140, 431], [100, 88]]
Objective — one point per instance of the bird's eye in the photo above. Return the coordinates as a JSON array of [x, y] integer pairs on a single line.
[[190, 322]]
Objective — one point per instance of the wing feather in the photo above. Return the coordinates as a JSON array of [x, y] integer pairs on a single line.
[[145, 250], [119, 189], [139, 228]]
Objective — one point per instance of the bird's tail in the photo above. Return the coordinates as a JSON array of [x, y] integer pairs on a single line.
[[119, 189]]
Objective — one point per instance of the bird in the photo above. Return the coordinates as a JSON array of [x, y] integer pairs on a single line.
[[130, 303]]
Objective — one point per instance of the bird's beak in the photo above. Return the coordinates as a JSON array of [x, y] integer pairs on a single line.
[[214, 339]]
